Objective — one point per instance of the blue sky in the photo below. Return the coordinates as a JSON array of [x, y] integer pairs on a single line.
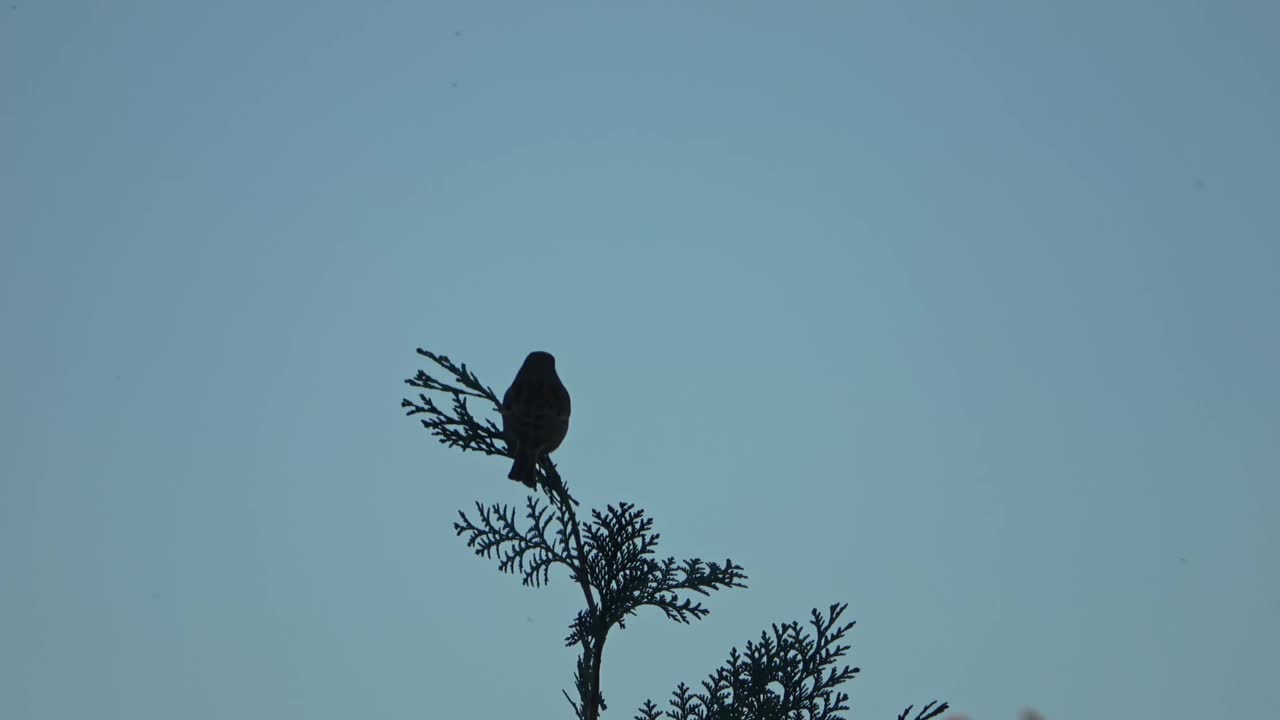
[[962, 313]]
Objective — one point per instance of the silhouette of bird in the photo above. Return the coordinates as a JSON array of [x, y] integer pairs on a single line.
[[535, 415]]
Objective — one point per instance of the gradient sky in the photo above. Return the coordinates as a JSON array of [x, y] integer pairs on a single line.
[[963, 313]]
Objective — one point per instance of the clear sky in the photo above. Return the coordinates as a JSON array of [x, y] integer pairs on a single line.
[[963, 313]]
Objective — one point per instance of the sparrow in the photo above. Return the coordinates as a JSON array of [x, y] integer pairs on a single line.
[[535, 415]]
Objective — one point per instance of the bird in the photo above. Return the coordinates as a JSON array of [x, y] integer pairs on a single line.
[[535, 415]]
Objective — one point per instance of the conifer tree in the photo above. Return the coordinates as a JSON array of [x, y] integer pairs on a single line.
[[792, 672]]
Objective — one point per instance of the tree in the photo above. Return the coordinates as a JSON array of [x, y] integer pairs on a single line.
[[791, 673]]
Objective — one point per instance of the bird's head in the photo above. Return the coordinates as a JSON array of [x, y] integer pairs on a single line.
[[539, 360]]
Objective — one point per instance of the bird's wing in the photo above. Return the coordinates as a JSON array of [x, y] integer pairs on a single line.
[[509, 398], [562, 401]]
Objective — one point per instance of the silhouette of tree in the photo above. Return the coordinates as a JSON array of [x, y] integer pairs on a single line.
[[791, 673]]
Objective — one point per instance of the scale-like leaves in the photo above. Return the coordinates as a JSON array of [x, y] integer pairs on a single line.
[[620, 566], [791, 673], [530, 552]]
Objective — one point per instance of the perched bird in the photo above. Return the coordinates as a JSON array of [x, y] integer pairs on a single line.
[[535, 415]]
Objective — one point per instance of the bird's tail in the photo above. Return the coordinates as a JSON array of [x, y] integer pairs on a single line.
[[523, 468]]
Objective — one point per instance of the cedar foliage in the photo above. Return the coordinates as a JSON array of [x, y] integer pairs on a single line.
[[792, 672]]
